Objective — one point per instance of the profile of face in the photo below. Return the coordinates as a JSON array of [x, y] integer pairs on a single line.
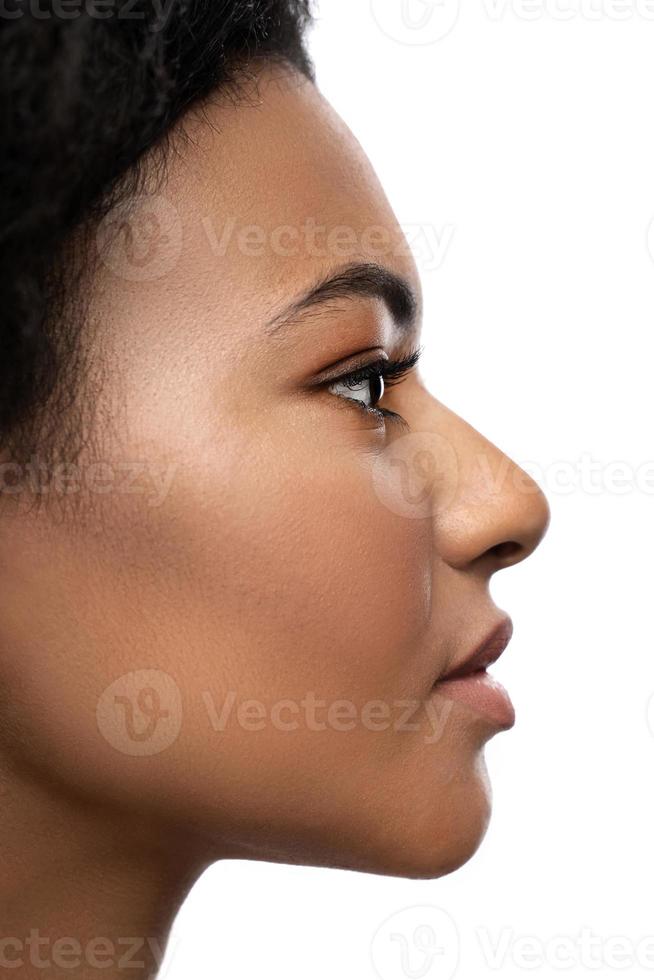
[[230, 626]]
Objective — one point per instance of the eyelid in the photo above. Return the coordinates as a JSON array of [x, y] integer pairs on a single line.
[[392, 370], [392, 373]]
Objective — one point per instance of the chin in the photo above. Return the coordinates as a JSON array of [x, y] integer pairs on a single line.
[[418, 858], [436, 836], [423, 839], [440, 857], [439, 853]]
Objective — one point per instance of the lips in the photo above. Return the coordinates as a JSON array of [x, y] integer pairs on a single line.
[[490, 650], [469, 684]]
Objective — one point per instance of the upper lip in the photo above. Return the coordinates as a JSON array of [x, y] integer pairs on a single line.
[[488, 651]]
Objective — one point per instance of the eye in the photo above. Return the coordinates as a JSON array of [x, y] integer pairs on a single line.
[[369, 390], [365, 386]]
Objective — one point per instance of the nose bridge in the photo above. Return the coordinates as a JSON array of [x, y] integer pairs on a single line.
[[486, 509]]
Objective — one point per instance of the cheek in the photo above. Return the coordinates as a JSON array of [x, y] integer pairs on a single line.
[[268, 571], [289, 574]]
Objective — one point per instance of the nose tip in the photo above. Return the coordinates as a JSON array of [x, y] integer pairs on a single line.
[[494, 529], [530, 528]]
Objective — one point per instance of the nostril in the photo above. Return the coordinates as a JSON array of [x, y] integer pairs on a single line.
[[505, 550]]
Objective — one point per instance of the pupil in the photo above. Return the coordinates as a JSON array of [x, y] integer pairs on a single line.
[[377, 388]]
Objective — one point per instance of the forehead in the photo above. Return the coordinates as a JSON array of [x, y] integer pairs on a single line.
[[274, 189], [266, 192]]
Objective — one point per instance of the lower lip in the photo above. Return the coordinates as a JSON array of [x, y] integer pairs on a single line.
[[483, 694]]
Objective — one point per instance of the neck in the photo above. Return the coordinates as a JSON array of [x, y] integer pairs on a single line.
[[85, 892]]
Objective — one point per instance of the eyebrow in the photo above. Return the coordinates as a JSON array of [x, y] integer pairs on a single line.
[[359, 279]]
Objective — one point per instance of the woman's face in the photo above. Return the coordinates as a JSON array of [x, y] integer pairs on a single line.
[[231, 617]]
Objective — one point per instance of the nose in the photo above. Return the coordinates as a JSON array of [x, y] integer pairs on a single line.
[[488, 512]]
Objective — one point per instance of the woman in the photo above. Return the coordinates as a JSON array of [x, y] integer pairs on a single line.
[[244, 606]]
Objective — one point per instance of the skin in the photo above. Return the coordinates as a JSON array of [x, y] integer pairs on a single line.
[[279, 562]]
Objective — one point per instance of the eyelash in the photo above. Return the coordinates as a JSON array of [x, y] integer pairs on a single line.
[[391, 372]]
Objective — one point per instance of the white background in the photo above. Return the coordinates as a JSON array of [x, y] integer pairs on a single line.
[[523, 141]]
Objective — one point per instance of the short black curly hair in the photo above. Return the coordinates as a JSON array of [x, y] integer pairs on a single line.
[[87, 88]]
